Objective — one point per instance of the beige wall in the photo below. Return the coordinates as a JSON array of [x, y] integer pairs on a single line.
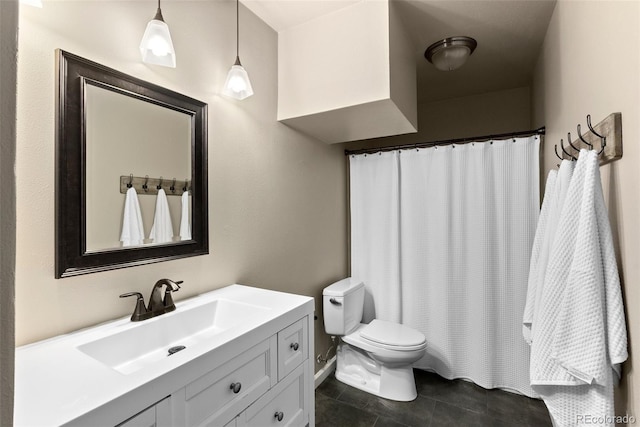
[[590, 64], [490, 113], [277, 198], [8, 65]]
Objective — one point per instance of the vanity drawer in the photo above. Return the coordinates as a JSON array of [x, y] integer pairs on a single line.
[[292, 347], [154, 416], [284, 405], [226, 390]]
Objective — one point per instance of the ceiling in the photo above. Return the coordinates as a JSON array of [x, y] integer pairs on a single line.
[[509, 35]]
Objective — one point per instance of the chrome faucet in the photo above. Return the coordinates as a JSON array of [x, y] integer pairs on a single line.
[[157, 304]]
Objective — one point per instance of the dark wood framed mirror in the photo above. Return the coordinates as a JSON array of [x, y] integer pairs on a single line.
[[95, 148]]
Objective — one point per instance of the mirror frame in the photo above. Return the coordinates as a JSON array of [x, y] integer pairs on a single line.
[[71, 257]]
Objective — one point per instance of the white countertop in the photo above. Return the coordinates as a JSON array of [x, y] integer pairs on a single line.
[[57, 384]]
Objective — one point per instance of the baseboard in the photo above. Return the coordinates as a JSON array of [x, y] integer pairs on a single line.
[[323, 373]]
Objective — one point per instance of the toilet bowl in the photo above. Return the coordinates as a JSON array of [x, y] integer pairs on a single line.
[[374, 357]]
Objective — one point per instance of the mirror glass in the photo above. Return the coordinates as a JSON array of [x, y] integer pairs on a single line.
[[128, 136], [113, 129]]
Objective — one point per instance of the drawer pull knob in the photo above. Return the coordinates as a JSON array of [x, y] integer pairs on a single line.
[[235, 387], [294, 346], [334, 301], [279, 416]]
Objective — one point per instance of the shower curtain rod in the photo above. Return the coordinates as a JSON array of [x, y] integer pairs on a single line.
[[539, 131]]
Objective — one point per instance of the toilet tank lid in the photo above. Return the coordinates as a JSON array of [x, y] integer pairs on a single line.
[[343, 287]]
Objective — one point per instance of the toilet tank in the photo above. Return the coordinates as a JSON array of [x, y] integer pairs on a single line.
[[342, 305]]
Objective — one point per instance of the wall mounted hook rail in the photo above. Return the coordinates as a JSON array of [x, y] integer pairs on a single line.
[[150, 186]]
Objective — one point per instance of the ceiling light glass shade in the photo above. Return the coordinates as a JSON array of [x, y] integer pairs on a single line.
[[451, 53], [156, 46], [237, 85]]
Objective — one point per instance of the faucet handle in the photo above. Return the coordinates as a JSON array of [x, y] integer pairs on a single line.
[[168, 299], [140, 311]]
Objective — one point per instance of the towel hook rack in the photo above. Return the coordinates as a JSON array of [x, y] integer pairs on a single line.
[[150, 186]]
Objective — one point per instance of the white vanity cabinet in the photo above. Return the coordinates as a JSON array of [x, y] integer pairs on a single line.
[[265, 385], [237, 368]]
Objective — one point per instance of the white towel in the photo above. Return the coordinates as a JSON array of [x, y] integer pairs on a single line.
[[583, 341], [132, 228], [554, 197], [536, 265], [162, 230], [185, 225]]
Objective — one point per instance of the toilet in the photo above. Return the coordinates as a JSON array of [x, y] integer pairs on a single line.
[[374, 357]]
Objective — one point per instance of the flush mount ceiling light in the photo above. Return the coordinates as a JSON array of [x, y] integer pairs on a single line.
[[156, 46], [237, 85], [450, 53]]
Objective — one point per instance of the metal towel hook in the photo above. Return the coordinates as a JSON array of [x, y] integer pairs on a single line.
[[159, 186], [582, 138], [565, 151], [603, 139], [555, 148], [173, 186], [146, 181], [571, 144], [130, 184], [186, 185]]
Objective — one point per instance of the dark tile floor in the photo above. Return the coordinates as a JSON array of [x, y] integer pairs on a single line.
[[440, 402]]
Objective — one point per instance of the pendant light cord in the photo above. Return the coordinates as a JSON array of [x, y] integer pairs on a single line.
[[237, 28]]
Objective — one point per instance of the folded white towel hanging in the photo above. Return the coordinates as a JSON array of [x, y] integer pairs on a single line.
[[185, 225], [162, 230], [132, 229]]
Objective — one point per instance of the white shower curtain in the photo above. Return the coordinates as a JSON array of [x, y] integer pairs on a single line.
[[441, 238]]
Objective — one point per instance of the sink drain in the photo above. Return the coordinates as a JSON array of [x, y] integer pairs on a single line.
[[176, 349]]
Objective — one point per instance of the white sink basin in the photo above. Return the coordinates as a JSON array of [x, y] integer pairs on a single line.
[[147, 342]]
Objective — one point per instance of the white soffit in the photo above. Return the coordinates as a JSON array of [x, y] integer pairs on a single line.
[[283, 14], [509, 34]]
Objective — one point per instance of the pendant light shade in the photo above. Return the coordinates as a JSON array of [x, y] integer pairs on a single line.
[[450, 53], [156, 46], [237, 85]]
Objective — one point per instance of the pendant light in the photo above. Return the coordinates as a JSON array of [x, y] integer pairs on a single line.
[[450, 53], [237, 84], [156, 46]]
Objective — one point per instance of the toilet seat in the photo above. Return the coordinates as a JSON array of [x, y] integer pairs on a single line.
[[392, 336]]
